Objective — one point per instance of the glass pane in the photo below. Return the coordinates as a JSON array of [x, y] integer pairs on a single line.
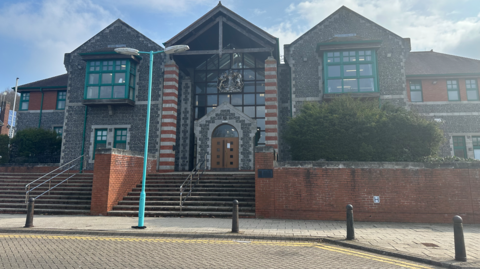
[[107, 78], [334, 71], [249, 86], [118, 91], [350, 85], [236, 99], [459, 153], [212, 75], [201, 66], [224, 98], [121, 146], [260, 111], [133, 68], [261, 124], [25, 105], [210, 109], [249, 99], [248, 61], [334, 85], [130, 93], [92, 92], [61, 105], [200, 100], [93, 79], [366, 85], [259, 63], [106, 92], [212, 63], [211, 87], [237, 60], [200, 88], [349, 70], [225, 130], [366, 70], [249, 111], [211, 100], [120, 65], [200, 112], [132, 80], [119, 77], [225, 61], [416, 96], [101, 145], [260, 99], [200, 76], [260, 87], [249, 74], [453, 95], [260, 74], [262, 137], [472, 95]]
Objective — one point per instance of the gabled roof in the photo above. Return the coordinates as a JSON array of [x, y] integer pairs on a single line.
[[53, 82], [433, 63], [221, 9]]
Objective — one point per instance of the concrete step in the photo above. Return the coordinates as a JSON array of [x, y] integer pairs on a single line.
[[42, 211], [186, 203], [184, 208], [51, 196], [192, 198], [197, 189], [49, 206], [42, 200], [195, 193], [181, 214]]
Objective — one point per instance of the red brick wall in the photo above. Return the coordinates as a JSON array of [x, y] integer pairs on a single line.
[[438, 92], [114, 176], [50, 100], [34, 101], [4, 117], [406, 195]]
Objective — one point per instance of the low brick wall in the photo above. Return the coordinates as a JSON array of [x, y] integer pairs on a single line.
[[408, 192], [116, 172], [28, 168]]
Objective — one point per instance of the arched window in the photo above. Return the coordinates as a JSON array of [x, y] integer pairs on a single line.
[[225, 130]]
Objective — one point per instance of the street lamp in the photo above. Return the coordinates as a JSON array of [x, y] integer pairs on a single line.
[[130, 51]]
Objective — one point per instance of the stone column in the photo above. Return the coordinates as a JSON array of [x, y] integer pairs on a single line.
[[168, 133], [271, 103]]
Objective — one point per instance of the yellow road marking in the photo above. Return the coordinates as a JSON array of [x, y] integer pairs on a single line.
[[230, 242]]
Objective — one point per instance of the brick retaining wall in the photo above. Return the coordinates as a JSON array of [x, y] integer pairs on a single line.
[[116, 173], [409, 192]]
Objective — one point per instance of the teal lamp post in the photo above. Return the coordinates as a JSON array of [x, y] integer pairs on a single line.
[[130, 51]]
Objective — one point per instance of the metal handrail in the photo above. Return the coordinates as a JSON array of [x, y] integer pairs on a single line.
[[189, 179], [65, 167]]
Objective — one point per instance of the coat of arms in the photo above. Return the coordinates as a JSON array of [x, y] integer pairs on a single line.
[[230, 81]]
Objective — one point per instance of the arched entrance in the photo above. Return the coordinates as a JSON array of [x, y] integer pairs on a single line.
[[225, 148]]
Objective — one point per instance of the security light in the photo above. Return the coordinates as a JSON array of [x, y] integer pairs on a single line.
[[176, 49], [127, 51]]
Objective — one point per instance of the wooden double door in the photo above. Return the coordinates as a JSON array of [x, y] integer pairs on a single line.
[[225, 153]]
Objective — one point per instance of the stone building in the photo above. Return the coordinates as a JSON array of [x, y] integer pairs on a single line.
[[229, 92]]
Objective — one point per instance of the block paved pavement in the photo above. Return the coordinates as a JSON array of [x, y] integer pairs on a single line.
[[401, 238]]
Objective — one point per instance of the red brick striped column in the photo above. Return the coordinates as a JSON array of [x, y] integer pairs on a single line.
[[168, 130], [271, 103]]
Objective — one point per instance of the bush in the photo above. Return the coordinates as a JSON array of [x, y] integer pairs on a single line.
[[4, 149], [35, 146], [348, 129]]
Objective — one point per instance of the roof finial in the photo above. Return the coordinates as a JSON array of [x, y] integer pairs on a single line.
[[219, 3]]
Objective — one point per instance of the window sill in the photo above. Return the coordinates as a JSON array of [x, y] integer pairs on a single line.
[[373, 95], [101, 102]]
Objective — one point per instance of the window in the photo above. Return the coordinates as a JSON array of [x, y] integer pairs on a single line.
[[110, 80], [476, 147], [472, 89], [459, 147], [416, 91], [350, 71], [100, 140], [120, 141], [59, 131], [24, 100], [61, 97], [452, 88]]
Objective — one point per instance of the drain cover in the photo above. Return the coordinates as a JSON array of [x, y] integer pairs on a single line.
[[430, 245]]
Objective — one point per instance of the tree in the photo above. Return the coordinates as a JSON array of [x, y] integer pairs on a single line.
[[348, 129], [35, 146], [4, 149], [10, 98]]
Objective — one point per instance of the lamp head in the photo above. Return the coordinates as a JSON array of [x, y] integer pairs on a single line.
[[126, 51], [176, 49]]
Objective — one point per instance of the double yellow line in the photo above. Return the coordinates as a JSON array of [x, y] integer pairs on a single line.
[[229, 242]]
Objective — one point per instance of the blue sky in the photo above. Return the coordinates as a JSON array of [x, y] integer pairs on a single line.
[[35, 34]]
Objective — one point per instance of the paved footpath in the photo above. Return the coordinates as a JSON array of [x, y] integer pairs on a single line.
[[431, 243]]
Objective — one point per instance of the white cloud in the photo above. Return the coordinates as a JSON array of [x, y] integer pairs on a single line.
[[50, 28], [285, 32], [166, 6], [258, 11]]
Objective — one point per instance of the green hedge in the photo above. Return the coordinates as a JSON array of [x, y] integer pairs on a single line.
[[4, 149], [348, 129], [35, 146]]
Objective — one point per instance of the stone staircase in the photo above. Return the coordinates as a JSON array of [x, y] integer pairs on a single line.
[[72, 198], [212, 197]]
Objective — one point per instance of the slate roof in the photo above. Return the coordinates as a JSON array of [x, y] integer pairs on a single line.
[[434, 63], [56, 81]]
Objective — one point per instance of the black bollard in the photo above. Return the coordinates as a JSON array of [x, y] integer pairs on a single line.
[[460, 252], [235, 217], [30, 208], [350, 229]]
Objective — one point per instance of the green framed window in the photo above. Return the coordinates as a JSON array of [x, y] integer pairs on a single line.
[[100, 140], [350, 71], [453, 92], [459, 146], [61, 97], [24, 100], [59, 131], [120, 141], [472, 89], [113, 79], [416, 94], [476, 147]]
